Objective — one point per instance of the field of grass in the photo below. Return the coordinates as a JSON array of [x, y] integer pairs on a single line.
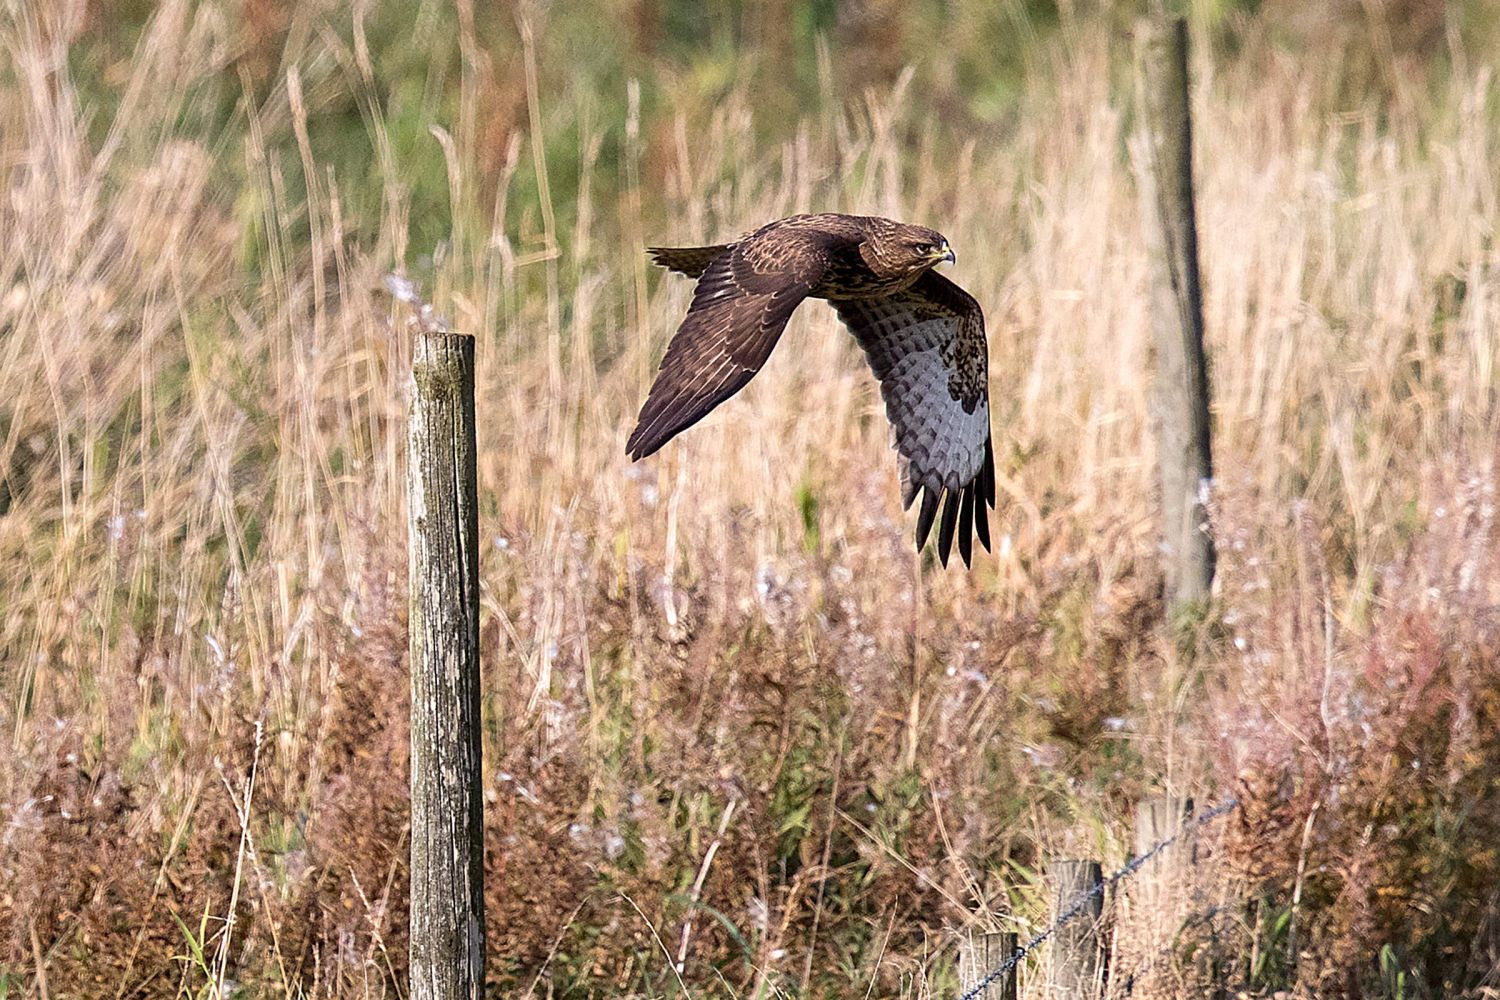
[[734, 723]]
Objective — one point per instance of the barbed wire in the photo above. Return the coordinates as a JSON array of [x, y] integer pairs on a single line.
[[1070, 914]]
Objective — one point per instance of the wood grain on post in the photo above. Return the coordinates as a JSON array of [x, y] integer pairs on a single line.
[[1156, 819], [981, 954], [447, 807], [1170, 223], [1077, 966]]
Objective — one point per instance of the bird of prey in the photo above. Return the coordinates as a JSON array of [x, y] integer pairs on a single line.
[[921, 333]]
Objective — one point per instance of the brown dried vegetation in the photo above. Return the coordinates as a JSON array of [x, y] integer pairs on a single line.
[[731, 717]]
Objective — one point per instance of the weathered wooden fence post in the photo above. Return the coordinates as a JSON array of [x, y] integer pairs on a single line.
[[981, 954], [1077, 966], [447, 808], [1156, 819], [1157, 905], [1170, 224]]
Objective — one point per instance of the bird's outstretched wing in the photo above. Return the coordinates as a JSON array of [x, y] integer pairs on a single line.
[[691, 261], [744, 298], [928, 350]]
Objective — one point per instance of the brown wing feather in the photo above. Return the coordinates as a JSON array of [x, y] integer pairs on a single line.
[[691, 261], [741, 305], [928, 349]]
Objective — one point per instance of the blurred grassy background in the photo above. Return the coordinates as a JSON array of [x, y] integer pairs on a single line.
[[202, 533]]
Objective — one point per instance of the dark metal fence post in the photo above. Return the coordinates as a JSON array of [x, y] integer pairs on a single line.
[[447, 807], [1170, 224]]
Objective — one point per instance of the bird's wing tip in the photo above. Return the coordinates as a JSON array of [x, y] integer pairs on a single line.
[[640, 445]]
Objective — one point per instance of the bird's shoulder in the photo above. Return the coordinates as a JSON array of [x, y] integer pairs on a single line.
[[833, 228], [797, 245]]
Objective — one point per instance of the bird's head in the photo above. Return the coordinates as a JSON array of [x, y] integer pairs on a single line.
[[919, 248]]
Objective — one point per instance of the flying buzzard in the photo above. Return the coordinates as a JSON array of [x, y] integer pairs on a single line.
[[922, 334]]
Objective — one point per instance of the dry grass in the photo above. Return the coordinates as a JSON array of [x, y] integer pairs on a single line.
[[728, 708]]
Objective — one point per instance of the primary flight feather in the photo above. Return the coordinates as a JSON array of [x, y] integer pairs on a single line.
[[921, 333]]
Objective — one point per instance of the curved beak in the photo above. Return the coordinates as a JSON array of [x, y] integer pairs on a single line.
[[945, 253]]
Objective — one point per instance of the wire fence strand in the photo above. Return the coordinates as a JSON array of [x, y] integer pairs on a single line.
[[1076, 907]]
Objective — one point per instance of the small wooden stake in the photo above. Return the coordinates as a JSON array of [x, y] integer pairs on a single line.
[[980, 955], [447, 807], [1156, 819], [1077, 962], [1171, 229]]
